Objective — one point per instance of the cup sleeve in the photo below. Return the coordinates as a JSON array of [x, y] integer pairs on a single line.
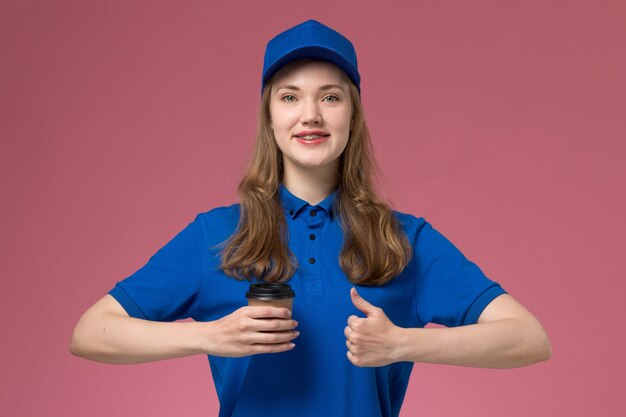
[[450, 289], [167, 287]]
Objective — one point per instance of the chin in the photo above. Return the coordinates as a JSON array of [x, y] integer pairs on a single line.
[[311, 164]]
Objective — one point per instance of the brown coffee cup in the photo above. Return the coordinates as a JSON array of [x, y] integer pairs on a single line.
[[274, 294]]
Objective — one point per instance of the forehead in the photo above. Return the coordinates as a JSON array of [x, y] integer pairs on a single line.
[[310, 72]]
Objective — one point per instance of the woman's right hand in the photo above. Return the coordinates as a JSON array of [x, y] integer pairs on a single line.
[[248, 331]]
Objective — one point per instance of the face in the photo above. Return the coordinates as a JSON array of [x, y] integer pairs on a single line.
[[311, 96]]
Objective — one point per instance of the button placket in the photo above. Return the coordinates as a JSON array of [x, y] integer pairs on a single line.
[[315, 220]]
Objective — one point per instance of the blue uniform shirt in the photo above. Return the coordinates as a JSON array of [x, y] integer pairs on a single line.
[[181, 280]]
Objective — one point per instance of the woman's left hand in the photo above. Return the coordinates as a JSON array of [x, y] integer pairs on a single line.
[[373, 340]]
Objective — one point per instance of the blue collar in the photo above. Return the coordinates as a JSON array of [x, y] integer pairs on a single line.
[[294, 205]]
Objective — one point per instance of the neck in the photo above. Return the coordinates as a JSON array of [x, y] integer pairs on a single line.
[[311, 185]]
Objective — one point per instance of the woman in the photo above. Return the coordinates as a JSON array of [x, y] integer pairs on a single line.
[[309, 216]]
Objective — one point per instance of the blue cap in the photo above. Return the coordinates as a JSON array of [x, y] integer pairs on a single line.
[[313, 40]]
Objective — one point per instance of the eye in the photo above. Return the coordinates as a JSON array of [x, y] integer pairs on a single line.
[[288, 95], [335, 97]]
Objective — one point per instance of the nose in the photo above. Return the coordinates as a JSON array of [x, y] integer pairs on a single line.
[[311, 112]]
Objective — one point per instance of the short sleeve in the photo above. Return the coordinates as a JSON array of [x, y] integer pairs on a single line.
[[450, 289], [167, 287]]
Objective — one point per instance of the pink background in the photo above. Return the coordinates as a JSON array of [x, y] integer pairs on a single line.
[[501, 122]]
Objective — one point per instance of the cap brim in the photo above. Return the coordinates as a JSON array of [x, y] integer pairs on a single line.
[[312, 52]]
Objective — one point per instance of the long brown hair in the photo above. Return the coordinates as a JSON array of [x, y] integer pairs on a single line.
[[375, 247]]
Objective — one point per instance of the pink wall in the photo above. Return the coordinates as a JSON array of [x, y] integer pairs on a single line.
[[501, 122]]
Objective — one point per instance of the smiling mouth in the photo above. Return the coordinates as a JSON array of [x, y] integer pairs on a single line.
[[311, 137], [311, 142]]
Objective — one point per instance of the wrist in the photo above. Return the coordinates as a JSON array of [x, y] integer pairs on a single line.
[[200, 337], [415, 344], [402, 351]]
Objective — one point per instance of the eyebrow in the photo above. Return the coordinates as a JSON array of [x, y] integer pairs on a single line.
[[323, 88]]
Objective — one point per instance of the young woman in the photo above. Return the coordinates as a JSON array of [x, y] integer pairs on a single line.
[[367, 278]]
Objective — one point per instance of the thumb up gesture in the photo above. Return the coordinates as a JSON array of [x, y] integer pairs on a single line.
[[373, 340]]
